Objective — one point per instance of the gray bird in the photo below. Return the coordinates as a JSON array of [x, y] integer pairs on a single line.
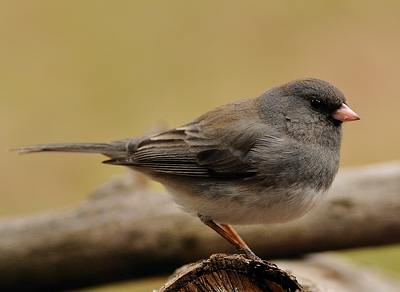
[[262, 160]]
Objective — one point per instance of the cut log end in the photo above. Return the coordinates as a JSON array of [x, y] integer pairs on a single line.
[[231, 273]]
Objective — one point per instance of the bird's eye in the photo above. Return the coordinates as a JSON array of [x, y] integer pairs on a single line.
[[316, 103]]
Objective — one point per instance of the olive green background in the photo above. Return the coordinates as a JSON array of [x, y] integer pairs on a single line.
[[104, 70]]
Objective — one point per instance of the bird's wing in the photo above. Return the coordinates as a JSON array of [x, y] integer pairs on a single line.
[[215, 145], [186, 151]]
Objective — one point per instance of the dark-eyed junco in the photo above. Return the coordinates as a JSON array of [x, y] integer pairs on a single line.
[[261, 160]]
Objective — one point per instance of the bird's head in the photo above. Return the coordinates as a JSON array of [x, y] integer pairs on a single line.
[[313, 110]]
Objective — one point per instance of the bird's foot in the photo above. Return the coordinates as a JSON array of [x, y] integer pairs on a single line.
[[251, 255]]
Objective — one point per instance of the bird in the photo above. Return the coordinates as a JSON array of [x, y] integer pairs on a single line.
[[261, 160]]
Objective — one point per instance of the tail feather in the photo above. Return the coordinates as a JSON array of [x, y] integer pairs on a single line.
[[111, 149]]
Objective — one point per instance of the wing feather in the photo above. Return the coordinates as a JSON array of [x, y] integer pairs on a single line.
[[186, 152], [215, 145]]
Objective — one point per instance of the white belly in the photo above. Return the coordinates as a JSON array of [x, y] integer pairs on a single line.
[[232, 206]]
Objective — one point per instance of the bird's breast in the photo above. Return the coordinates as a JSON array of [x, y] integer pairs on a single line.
[[244, 204]]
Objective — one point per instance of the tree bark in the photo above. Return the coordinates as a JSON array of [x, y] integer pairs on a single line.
[[127, 229], [315, 273], [232, 273]]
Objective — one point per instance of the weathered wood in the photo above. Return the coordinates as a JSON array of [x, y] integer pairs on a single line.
[[314, 273], [126, 229], [232, 273], [327, 273]]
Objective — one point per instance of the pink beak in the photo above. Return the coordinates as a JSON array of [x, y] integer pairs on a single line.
[[345, 114]]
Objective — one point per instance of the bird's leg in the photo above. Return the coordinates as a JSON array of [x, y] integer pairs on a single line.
[[227, 232], [228, 228], [243, 245]]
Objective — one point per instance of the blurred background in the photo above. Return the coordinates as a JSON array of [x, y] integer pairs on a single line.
[[104, 70]]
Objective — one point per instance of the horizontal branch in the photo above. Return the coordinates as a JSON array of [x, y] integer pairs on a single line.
[[127, 229]]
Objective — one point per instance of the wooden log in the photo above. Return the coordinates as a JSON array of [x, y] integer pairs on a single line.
[[127, 229], [232, 273], [314, 273]]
